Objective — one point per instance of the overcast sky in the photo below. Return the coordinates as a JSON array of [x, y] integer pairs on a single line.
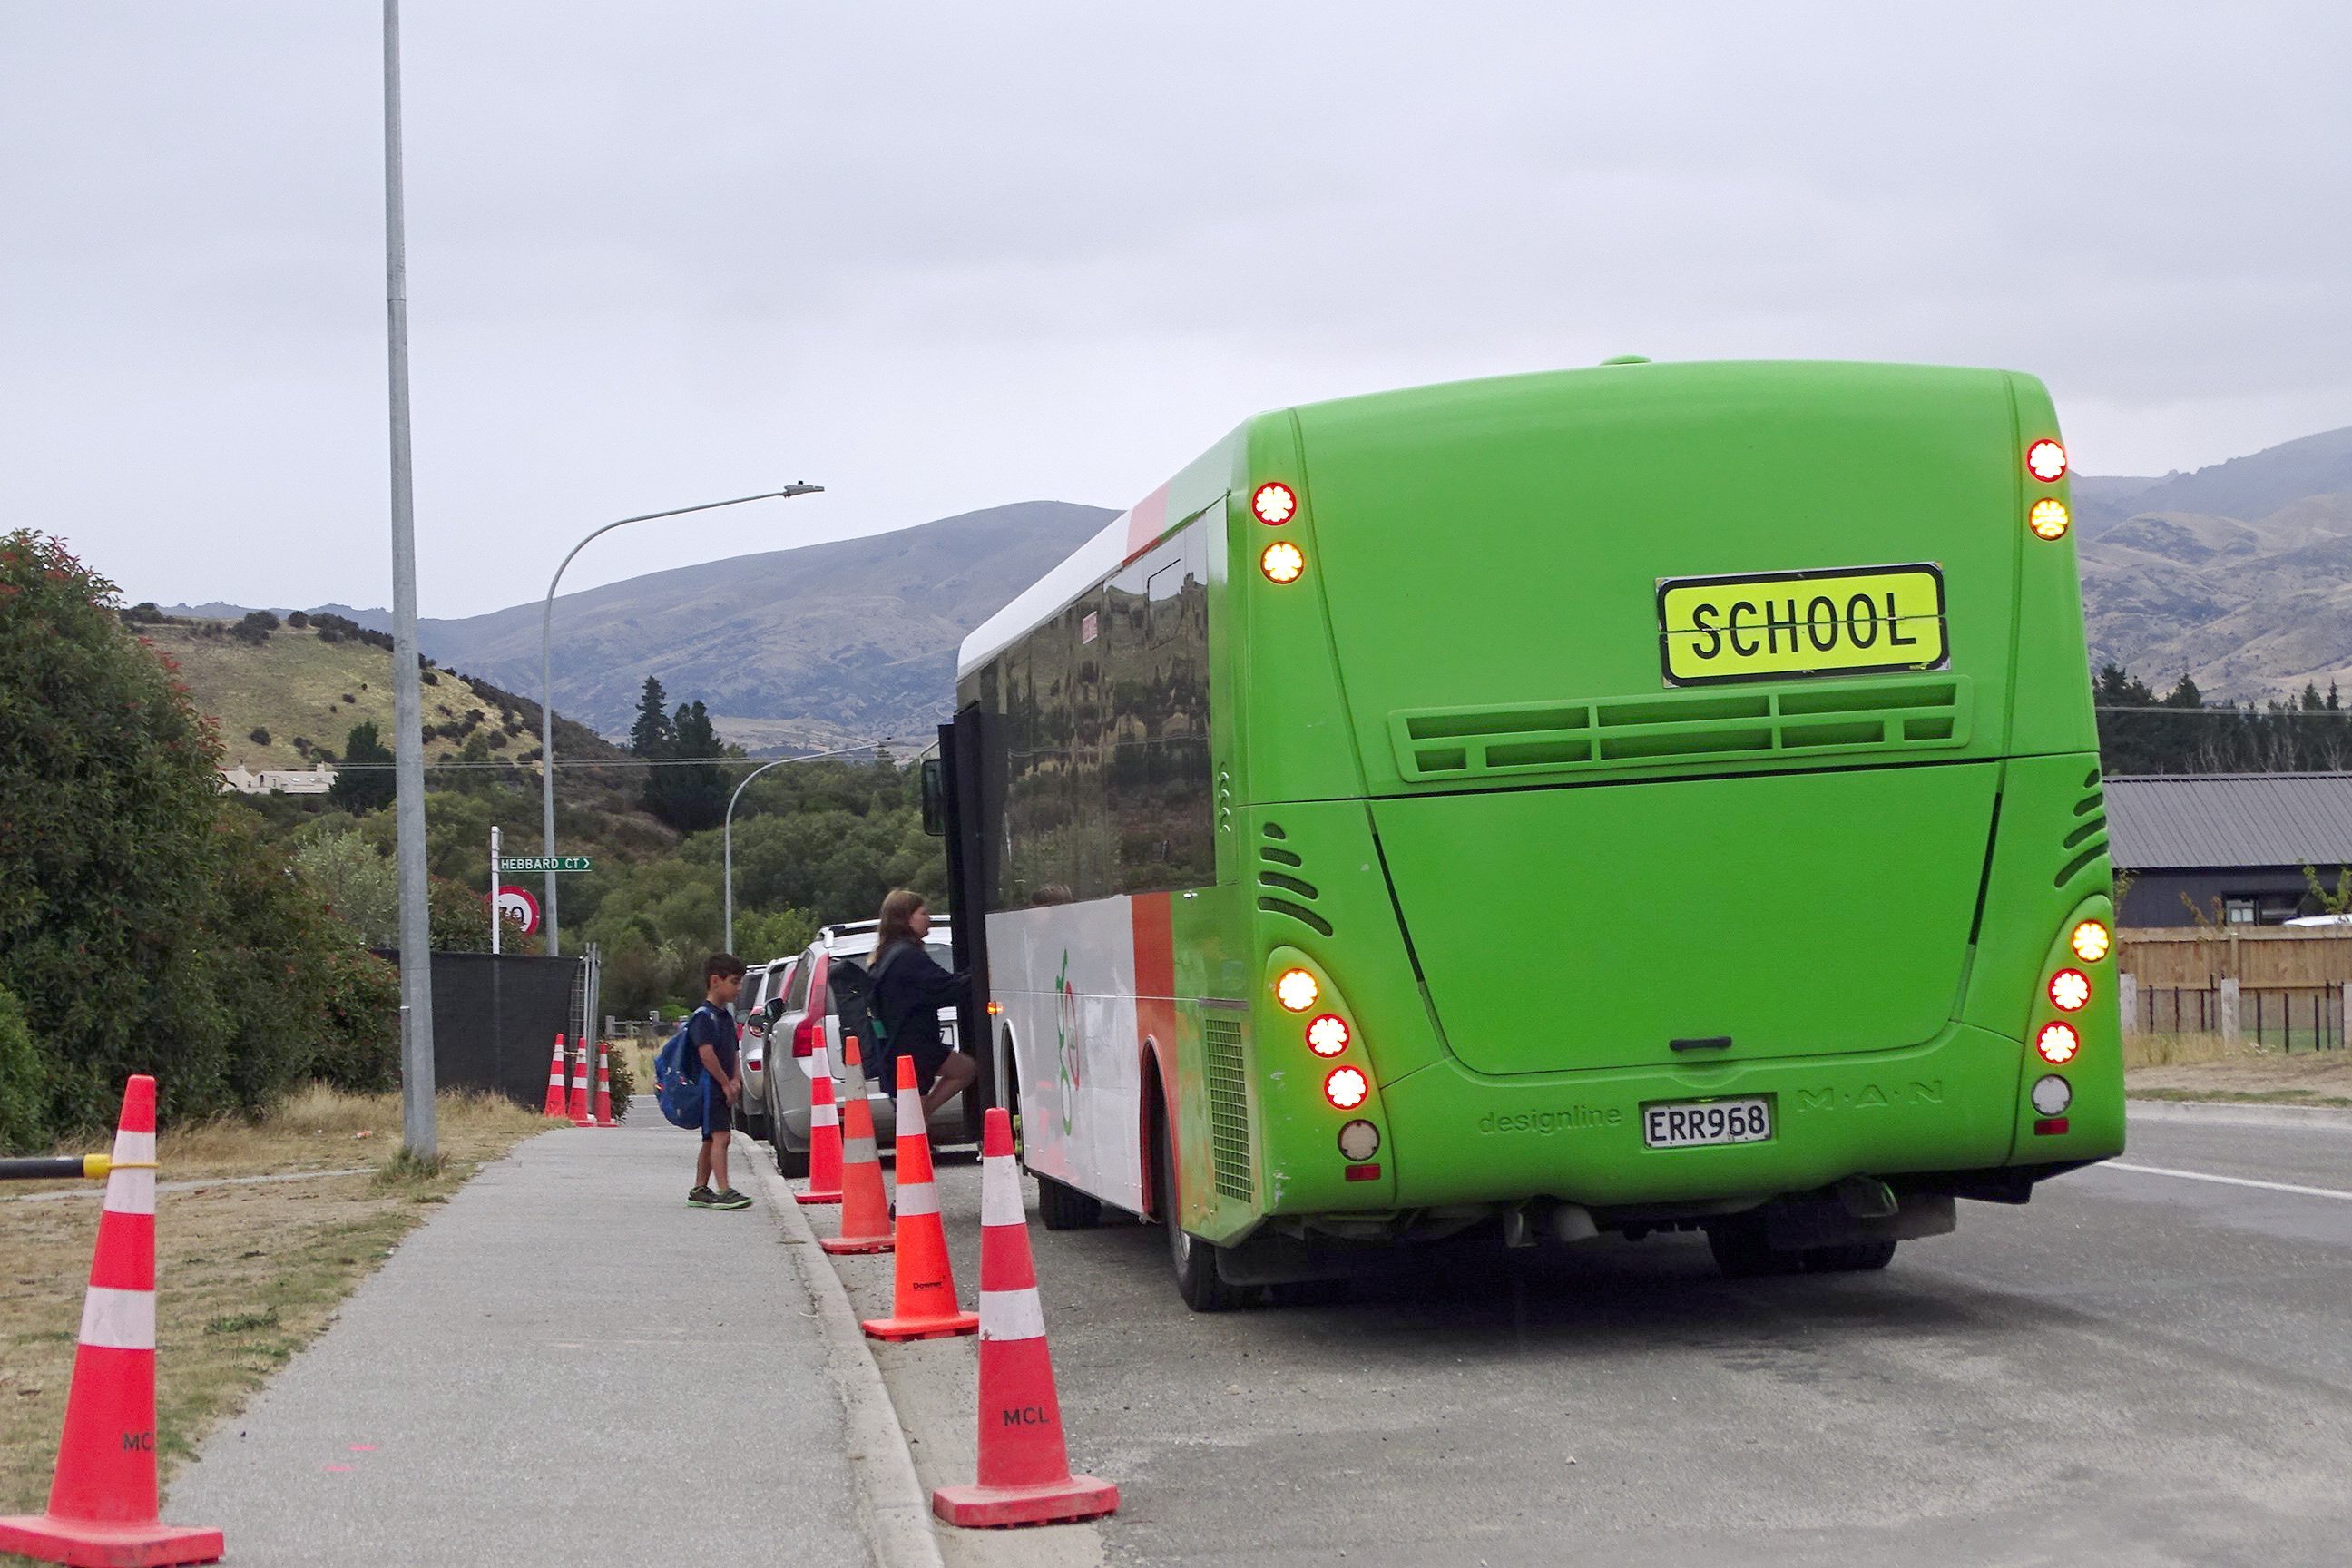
[[938, 258]]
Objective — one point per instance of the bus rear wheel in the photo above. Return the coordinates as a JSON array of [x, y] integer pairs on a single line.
[[1197, 1279]]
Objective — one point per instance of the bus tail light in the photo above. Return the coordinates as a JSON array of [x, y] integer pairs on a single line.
[[2058, 1044], [1274, 504], [2090, 941], [2069, 989], [1328, 1034], [1346, 1088], [2046, 460]]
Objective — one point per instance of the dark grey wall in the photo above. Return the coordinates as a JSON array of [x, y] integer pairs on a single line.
[[495, 1020], [2155, 896]]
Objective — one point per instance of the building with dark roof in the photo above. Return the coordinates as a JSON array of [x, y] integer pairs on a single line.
[[2235, 844]]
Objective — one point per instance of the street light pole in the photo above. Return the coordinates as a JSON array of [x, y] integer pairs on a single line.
[[547, 676], [727, 827], [418, 1135]]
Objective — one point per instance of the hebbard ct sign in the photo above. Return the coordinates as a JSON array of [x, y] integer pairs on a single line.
[[546, 862]]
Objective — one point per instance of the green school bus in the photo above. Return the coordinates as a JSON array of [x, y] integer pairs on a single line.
[[1639, 798]]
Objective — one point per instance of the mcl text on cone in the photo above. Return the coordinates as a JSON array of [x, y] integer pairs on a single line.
[[102, 1499]]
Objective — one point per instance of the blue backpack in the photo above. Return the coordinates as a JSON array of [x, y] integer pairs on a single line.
[[677, 1079]]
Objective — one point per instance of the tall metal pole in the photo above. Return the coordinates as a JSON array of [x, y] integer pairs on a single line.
[[418, 1133], [497, 919], [547, 679]]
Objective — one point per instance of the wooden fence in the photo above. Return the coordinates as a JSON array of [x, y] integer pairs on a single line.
[[2289, 986]]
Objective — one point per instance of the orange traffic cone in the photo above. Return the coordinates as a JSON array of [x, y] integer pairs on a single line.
[[554, 1106], [865, 1208], [579, 1110], [1024, 1465], [603, 1087], [923, 1294], [102, 1499], [825, 1145]]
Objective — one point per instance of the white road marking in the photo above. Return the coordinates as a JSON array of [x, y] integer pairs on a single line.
[[2232, 1181]]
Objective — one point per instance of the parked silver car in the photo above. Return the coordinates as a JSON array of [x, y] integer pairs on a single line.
[[806, 1019], [761, 982]]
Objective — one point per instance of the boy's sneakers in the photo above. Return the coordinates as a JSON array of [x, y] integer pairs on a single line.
[[704, 1198], [700, 1198]]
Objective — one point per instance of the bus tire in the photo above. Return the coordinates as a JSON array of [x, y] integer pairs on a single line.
[[1197, 1279], [1853, 1257], [1062, 1207], [1741, 1251]]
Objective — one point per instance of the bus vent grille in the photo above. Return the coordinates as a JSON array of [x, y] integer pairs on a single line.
[[1438, 745], [2086, 842], [1288, 892], [1229, 1135]]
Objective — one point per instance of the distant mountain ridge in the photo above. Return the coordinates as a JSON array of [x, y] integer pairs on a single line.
[[802, 649]]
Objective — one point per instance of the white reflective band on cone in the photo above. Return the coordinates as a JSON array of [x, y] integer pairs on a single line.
[[855, 1151], [119, 1320], [1000, 1191], [133, 1190], [918, 1198], [825, 1116], [1012, 1315], [911, 1112]]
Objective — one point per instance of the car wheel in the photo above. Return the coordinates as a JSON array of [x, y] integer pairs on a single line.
[[1066, 1208], [1195, 1261]]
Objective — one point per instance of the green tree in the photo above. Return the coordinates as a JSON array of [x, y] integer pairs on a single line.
[[690, 793], [365, 781], [652, 735], [360, 883], [23, 1082]]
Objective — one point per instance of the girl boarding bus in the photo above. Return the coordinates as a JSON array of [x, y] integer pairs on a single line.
[[1650, 797]]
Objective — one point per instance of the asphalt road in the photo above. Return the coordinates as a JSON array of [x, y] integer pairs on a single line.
[[2138, 1368]]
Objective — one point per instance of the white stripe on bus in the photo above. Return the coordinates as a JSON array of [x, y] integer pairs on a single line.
[[1012, 1315], [119, 1320], [918, 1198], [2232, 1181], [1000, 1191]]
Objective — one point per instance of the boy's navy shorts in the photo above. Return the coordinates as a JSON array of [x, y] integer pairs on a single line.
[[718, 1116]]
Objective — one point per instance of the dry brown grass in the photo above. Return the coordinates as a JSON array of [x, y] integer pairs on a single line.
[[2180, 1051], [244, 1274], [2207, 1067]]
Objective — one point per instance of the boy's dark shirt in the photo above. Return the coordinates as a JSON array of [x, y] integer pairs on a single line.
[[712, 1025]]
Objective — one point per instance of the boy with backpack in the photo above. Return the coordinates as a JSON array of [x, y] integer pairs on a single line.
[[710, 1043]]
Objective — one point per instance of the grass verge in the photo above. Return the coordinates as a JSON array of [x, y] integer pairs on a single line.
[[246, 1274], [2207, 1067]]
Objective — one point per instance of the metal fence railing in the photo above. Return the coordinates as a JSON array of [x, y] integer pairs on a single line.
[[2286, 1017]]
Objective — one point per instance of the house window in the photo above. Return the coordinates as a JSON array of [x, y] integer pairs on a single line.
[[2238, 911]]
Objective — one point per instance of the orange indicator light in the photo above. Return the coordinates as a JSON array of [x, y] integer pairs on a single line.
[[2048, 519], [2090, 941], [1297, 990], [1282, 562]]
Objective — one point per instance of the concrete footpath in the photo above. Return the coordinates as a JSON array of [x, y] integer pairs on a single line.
[[566, 1365]]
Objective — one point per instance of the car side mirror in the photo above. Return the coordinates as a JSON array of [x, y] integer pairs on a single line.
[[773, 1010], [935, 798]]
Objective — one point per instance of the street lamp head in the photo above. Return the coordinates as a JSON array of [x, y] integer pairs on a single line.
[[791, 491]]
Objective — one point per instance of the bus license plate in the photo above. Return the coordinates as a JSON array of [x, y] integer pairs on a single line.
[[1695, 1123]]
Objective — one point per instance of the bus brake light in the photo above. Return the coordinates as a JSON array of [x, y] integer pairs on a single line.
[[1328, 1034], [2058, 1043], [2046, 461], [1274, 504], [2048, 519], [2069, 989], [1346, 1088], [1282, 562], [1296, 990]]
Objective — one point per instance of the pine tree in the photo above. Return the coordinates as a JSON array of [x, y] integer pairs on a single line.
[[653, 735], [366, 782], [689, 798]]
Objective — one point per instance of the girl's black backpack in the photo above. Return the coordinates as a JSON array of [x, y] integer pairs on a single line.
[[853, 1004]]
